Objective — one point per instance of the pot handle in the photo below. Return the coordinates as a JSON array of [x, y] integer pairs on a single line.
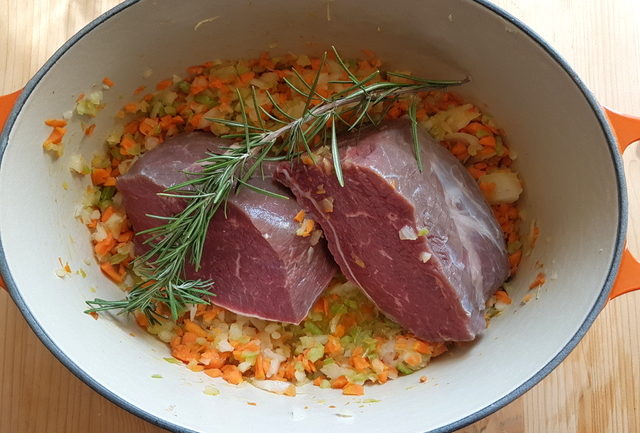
[[6, 104], [627, 130]]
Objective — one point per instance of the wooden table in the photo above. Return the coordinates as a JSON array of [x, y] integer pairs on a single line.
[[597, 388]]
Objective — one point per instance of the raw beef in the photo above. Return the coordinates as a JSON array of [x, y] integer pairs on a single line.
[[259, 266], [435, 284]]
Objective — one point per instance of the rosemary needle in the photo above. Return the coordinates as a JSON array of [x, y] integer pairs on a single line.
[[181, 237]]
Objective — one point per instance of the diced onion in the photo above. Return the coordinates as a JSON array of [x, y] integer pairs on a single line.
[[407, 233]]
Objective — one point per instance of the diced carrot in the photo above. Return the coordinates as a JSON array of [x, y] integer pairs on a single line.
[[306, 228], [488, 140], [539, 281], [514, 260], [247, 76], [383, 377], [474, 127], [132, 107], [139, 90], [125, 236], [104, 246], [108, 82], [422, 347], [132, 127], [195, 328], [209, 314], [195, 70], [164, 84], [149, 127], [231, 374], [56, 122], [127, 143], [488, 189], [213, 372], [107, 213], [299, 216], [89, 129], [141, 320], [503, 297], [290, 391], [340, 330], [56, 135], [110, 272], [111, 181], [413, 360], [100, 175], [360, 363], [318, 380], [196, 367], [189, 338], [216, 359], [259, 368], [333, 346], [353, 389], [339, 382], [459, 148]]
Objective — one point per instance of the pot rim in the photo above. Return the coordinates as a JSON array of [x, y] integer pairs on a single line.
[[479, 414]]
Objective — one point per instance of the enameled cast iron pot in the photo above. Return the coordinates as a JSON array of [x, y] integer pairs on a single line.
[[567, 156]]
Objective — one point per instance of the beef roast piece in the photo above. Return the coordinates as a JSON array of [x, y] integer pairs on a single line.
[[259, 266], [435, 284]]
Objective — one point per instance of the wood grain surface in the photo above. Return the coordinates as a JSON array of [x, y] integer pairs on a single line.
[[596, 389]]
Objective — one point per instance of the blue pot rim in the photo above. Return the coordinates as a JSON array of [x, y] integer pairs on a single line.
[[479, 414]]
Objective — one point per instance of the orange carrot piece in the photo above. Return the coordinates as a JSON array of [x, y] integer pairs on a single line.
[[89, 130], [108, 82], [127, 143], [413, 360], [299, 216], [259, 368], [164, 84], [107, 213], [195, 328], [489, 141], [353, 389], [318, 380], [232, 374], [111, 181], [383, 377], [131, 107], [503, 297], [149, 127], [246, 77], [339, 382], [360, 363], [539, 281], [422, 347], [55, 122], [111, 272], [104, 246], [100, 175], [139, 90], [213, 372]]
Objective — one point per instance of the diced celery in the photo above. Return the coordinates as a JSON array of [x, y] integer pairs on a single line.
[[107, 193], [315, 353], [184, 86]]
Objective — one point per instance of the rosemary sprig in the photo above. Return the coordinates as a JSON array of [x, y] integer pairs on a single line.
[[181, 238]]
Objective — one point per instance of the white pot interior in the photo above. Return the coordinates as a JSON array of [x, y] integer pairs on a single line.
[[563, 157]]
